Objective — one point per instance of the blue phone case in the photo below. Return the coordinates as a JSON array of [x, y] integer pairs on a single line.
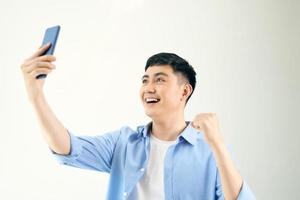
[[51, 36]]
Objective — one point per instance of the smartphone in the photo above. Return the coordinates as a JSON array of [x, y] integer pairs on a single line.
[[51, 35]]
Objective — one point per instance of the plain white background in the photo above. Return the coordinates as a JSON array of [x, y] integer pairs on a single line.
[[245, 53]]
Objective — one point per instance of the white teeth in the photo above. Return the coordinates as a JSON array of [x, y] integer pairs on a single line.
[[151, 99]]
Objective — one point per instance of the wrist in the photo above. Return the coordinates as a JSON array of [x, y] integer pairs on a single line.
[[37, 98], [217, 143]]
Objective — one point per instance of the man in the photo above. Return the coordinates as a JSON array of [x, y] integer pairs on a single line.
[[169, 158]]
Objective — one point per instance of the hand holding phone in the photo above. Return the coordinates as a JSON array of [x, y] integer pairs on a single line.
[[51, 35]]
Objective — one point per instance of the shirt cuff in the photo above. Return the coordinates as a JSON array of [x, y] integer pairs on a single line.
[[246, 193], [75, 150]]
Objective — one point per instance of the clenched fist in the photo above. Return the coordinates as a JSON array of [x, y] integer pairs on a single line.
[[33, 66], [208, 124]]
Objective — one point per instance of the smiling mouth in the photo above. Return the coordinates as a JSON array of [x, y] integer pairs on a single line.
[[151, 100]]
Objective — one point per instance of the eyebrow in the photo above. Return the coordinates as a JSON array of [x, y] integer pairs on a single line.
[[155, 75]]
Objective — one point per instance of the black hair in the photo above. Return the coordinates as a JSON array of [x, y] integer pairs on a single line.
[[178, 64]]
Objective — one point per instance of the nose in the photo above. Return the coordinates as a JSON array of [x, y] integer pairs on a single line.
[[149, 88]]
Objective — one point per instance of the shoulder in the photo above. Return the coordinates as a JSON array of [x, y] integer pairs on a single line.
[[126, 131]]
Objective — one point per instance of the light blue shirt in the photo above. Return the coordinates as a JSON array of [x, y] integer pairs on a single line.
[[190, 171]]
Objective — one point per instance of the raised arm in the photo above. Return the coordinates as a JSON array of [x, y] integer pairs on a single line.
[[54, 132]]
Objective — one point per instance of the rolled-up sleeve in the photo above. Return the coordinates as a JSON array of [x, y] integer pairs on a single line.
[[90, 152], [246, 193]]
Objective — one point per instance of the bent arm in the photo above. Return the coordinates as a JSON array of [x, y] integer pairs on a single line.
[[231, 179]]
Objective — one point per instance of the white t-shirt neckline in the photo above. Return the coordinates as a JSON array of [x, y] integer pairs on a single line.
[[151, 185]]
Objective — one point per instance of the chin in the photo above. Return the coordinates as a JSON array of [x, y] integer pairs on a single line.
[[151, 114]]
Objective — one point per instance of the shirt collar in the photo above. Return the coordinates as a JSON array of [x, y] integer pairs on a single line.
[[144, 129], [189, 134]]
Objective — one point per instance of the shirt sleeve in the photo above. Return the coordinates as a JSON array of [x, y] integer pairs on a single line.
[[245, 192], [90, 152], [219, 193]]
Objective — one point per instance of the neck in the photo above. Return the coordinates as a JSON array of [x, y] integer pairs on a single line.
[[168, 129]]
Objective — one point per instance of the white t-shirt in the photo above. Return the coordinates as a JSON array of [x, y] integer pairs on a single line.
[[151, 185]]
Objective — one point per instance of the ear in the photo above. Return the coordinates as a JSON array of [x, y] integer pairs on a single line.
[[187, 91]]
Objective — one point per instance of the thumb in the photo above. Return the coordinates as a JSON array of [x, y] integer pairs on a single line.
[[193, 124]]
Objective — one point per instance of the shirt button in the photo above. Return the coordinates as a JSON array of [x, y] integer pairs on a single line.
[[125, 194], [142, 169]]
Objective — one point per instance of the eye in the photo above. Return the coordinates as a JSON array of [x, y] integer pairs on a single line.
[[160, 80], [144, 81]]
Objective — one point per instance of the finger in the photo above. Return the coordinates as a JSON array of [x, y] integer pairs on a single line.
[[39, 65], [39, 71], [40, 51], [48, 58], [194, 124], [198, 125]]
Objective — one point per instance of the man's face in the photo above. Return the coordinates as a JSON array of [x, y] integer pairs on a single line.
[[161, 92]]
